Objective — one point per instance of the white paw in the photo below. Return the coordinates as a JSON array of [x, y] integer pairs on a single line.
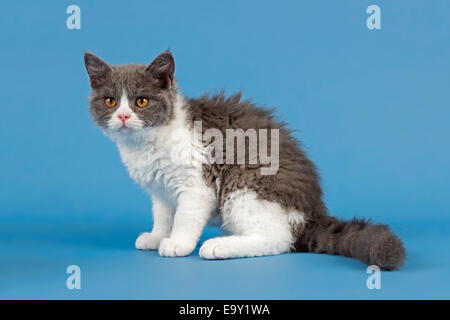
[[175, 248], [147, 241], [216, 249]]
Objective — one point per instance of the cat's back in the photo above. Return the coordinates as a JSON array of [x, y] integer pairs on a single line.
[[221, 112], [296, 178]]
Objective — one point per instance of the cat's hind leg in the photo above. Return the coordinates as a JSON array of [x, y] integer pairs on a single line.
[[257, 228]]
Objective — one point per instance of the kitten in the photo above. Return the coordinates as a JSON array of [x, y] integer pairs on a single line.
[[161, 139]]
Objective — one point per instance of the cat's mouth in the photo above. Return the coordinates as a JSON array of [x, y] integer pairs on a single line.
[[124, 128]]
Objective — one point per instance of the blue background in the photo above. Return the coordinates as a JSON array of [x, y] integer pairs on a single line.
[[370, 106]]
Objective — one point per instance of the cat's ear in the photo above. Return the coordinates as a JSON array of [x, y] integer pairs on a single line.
[[97, 69], [162, 69]]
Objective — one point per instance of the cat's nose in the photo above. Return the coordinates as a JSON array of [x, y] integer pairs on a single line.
[[123, 117]]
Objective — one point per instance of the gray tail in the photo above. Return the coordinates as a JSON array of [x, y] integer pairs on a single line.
[[359, 239]]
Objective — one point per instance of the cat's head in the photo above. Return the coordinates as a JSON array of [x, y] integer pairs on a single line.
[[129, 99]]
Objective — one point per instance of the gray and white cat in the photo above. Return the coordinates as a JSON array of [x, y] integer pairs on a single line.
[[141, 109]]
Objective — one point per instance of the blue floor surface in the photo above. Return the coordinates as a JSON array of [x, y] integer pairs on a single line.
[[34, 258]]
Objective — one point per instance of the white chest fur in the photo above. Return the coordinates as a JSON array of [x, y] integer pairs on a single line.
[[167, 159]]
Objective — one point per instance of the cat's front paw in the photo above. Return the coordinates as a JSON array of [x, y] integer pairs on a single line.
[[175, 248], [147, 241]]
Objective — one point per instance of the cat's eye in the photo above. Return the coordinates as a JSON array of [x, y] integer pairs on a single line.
[[110, 102], [142, 102]]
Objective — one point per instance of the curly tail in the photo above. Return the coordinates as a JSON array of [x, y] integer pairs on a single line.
[[372, 244]]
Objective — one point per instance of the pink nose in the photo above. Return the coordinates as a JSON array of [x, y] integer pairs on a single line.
[[123, 117]]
